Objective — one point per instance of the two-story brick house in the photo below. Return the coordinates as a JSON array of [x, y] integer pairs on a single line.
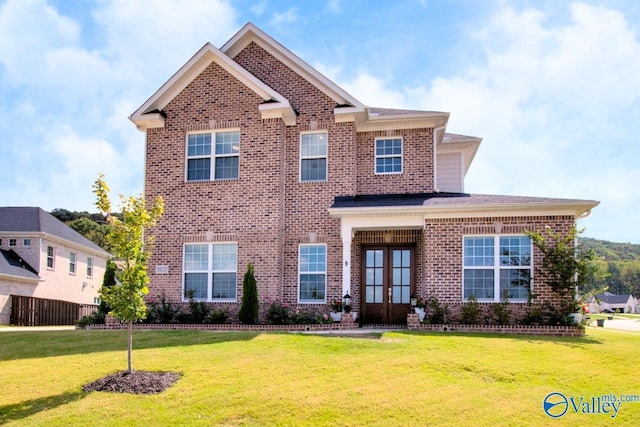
[[262, 159]]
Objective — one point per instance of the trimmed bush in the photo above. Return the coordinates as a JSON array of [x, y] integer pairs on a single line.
[[249, 309]]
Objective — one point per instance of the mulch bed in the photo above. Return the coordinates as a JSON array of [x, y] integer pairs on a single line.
[[140, 382]]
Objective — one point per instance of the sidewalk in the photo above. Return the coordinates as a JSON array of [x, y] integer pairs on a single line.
[[36, 328]]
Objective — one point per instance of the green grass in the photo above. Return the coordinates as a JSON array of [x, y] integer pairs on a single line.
[[290, 379]]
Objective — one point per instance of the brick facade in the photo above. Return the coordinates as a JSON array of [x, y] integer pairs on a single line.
[[269, 213]]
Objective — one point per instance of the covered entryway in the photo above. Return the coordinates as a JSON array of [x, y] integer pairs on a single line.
[[388, 274]]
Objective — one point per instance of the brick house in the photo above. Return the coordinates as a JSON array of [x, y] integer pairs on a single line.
[[42, 257], [262, 159]]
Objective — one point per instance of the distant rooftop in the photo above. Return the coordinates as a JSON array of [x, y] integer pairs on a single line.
[[37, 220]]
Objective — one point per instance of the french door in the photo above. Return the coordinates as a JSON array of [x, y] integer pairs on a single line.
[[389, 276]]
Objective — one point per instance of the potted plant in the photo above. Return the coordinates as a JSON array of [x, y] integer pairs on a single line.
[[419, 308], [336, 310]]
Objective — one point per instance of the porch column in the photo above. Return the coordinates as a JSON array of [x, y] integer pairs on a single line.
[[346, 231]]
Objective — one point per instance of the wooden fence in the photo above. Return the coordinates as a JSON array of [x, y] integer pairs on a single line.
[[30, 311]]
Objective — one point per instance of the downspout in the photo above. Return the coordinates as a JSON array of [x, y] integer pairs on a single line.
[[435, 156]]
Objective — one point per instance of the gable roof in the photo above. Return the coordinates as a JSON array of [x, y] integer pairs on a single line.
[[11, 264], [36, 220], [610, 298], [274, 105], [250, 33], [150, 115]]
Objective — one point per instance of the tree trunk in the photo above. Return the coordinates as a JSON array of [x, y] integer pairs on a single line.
[[130, 347]]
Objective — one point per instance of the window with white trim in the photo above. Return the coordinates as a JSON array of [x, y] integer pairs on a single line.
[[496, 267], [313, 157], [13, 242], [388, 155], [210, 271], [89, 267], [72, 263], [26, 243], [312, 273], [207, 163], [50, 257]]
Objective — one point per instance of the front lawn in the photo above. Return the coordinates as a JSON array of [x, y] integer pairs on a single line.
[[395, 378]]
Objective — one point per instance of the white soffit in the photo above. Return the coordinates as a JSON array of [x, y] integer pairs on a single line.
[[148, 114]]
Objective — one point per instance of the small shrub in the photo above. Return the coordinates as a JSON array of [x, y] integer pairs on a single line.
[[278, 314], [96, 318], [437, 313], [249, 308], [501, 312], [471, 312], [304, 318], [532, 315], [217, 317], [199, 311], [161, 312]]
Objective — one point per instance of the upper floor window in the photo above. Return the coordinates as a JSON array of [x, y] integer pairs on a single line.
[[207, 163], [313, 157], [72, 263], [312, 273], [210, 271], [50, 257], [26, 242], [388, 155], [89, 267], [497, 267], [13, 242]]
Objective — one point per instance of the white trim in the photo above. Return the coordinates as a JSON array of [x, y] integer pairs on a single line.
[[387, 156], [497, 267], [315, 157], [250, 33], [209, 272], [146, 116], [326, 262], [212, 156]]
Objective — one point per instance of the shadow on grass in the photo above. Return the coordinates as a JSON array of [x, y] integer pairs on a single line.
[[29, 345], [566, 341], [19, 411]]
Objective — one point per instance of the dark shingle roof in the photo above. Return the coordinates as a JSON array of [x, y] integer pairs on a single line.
[[610, 298], [439, 199], [11, 264], [388, 200], [31, 219]]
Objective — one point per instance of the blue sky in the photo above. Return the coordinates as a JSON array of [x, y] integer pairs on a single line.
[[552, 87]]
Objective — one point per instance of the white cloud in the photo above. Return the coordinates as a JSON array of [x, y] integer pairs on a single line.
[[334, 6], [259, 8], [541, 95], [28, 30], [288, 17]]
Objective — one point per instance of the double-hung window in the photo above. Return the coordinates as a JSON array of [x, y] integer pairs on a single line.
[[313, 157], [497, 267], [388, 155], [312, 273], [72, 263], [50, 257], [210, 271], [213, 156], [89, 267]]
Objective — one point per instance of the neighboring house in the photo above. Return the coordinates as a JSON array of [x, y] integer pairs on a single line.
[[42, 257], [261, 159], [613, 303]]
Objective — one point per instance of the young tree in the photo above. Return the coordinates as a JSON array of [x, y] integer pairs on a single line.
[[563, 268], [127, 242], [249, 308]]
